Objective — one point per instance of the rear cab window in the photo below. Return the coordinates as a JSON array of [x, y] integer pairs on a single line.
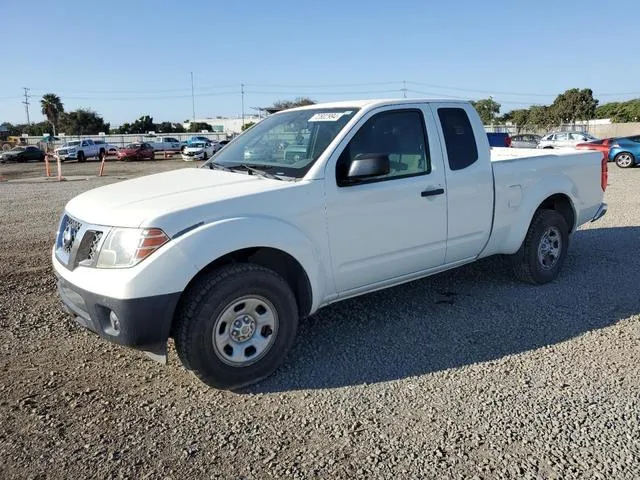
[[460, 141]]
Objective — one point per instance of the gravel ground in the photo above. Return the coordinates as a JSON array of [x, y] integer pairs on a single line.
[[468, 374]]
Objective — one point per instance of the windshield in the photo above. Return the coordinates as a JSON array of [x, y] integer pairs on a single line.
[[133, 145], [197, 145], [17, 149], [286, 143], [73, 144]]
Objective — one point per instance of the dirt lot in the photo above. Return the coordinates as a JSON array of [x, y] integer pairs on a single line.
[[468, 374]]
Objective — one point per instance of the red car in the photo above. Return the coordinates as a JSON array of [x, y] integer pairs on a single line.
[[600, 145], [136, 151]]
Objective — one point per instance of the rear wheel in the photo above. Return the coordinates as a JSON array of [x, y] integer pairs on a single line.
[[624, 160], [543, 250], [81, 157], [236, 325], [101, 155]]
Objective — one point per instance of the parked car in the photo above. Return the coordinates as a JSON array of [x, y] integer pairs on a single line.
[[164, 144], [525, 140], [499, 139], [564, 139], [602, 145], [198, 151], [109, 147], [227, 257], [625, 151], [22, 154], [136, 151], [81, 150]]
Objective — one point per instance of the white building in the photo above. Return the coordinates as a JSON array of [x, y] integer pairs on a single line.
[[228, 125]]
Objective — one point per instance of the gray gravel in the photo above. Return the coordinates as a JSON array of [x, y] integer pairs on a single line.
[[468, 374]]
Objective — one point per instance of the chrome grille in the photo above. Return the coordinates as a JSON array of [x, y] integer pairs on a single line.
[[93, 248], [78, 243], [69, 234]]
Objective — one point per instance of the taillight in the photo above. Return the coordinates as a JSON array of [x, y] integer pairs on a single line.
[[604, 173]]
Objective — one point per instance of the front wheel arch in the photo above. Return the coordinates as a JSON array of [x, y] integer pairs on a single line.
[[274, 259]]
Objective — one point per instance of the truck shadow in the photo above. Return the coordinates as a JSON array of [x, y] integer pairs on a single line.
[[473, 314]]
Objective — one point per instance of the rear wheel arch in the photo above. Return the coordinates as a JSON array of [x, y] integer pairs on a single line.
[[563, 205]]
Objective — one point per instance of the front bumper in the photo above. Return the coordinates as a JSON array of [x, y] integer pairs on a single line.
[[195, 156], [602, 210], [142, 323]]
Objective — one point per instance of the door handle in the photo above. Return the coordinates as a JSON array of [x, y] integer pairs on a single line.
[[431, 193]]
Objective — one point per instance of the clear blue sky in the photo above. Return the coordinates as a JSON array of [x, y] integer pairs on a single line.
[[128, 58]]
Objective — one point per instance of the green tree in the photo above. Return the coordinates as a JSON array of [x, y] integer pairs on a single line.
[[52, 108], [286, 104], [574, 104], [123, 129], [196, 127], [83, 121], [169, 127], [520, 118], [629, 112], [248, 125], [143, 125], [488, 109], [539, 116], [620, 112]]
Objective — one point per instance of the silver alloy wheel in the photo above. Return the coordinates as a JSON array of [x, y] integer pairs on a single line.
[[245, 330], [549, 248], [624, 160]]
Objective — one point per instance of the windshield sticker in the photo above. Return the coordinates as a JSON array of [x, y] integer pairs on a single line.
[[327, 116]]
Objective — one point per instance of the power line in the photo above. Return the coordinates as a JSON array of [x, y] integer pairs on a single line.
[[359, 92], [26, 103], [335, 85]]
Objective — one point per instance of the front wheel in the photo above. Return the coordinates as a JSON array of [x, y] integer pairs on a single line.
[[81, 157], [543, 250], [624, 160], [236, 325]]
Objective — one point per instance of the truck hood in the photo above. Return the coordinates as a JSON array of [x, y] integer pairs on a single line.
[[148, 200]]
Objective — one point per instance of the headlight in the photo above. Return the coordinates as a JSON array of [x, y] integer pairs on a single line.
[[126, 247]]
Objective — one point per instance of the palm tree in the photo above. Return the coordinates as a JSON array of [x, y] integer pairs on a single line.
[[52, 108]]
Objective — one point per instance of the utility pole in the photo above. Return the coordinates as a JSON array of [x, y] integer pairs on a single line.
[[26, 103], [404, 88], [242, 95], [193, 101]]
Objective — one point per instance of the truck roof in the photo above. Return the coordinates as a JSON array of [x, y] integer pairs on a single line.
[[375, 102]]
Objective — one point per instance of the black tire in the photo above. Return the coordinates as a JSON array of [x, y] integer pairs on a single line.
[[204, 305], [81, 157], [101, 155], [547, 148], [622, 158], [527, 265]]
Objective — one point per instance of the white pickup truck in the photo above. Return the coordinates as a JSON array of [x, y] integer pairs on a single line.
[[164, 144], [226, 258], [81, 150]]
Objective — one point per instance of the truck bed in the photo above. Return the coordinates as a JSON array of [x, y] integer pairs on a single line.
[[518, 172]]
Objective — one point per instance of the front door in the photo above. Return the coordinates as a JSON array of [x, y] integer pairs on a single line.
[[395, 224]]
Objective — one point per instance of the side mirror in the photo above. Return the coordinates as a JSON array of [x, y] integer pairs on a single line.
[[368, 165]]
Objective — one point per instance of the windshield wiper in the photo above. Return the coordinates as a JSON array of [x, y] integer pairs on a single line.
[[213, 165], [256, 171]]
